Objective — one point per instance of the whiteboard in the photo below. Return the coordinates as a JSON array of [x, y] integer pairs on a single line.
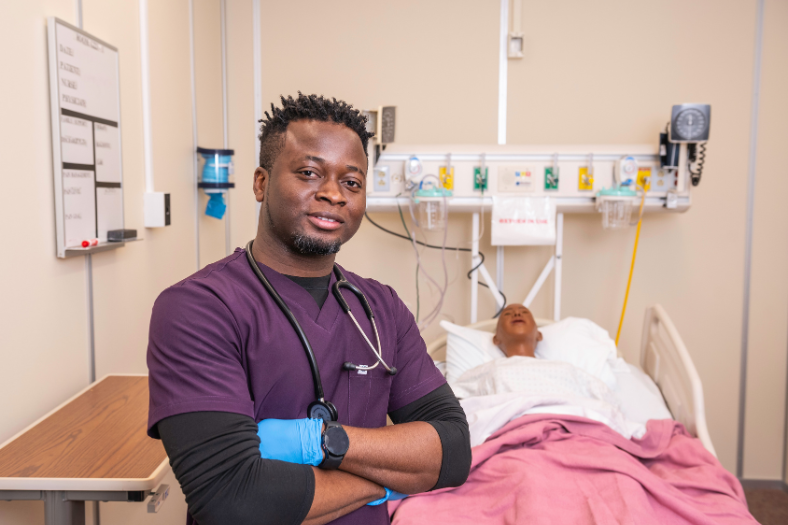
[[84, 87]]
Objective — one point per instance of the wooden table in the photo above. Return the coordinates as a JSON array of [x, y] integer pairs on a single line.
[[93, 447]]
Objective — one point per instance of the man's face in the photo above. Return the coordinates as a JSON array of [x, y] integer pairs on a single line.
[[517, 333], [315, 196]]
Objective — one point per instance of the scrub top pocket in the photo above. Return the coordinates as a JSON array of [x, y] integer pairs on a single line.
[[368, 397]]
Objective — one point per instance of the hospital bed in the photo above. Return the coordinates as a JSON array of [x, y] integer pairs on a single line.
[[663, 356]]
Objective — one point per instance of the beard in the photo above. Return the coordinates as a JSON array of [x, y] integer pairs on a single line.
[[303, 244], [306, 245]]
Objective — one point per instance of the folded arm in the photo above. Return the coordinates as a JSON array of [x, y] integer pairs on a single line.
[[428, 447], [216, 458]]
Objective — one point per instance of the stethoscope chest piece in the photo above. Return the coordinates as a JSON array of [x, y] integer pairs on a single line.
[[324, 410]]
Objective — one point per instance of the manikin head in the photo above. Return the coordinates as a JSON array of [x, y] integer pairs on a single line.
[[312, 176], [516, 333]]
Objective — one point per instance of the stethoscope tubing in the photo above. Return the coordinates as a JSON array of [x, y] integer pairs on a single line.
[[310, 354], [336, 290]]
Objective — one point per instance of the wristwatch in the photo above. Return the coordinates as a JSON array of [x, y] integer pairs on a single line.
[[334, 443]]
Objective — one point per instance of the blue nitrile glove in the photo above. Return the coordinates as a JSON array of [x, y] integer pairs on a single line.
[[291, 440], [391, 495]]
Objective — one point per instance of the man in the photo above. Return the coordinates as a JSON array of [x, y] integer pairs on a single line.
[[223, 357], [516, 332]]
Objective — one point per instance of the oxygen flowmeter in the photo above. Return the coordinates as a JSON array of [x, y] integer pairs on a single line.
[[215, 180]]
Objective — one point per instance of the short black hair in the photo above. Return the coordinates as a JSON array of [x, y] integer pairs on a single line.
[[306, 107]]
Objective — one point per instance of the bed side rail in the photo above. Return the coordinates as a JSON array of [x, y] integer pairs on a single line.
[[664, 357]]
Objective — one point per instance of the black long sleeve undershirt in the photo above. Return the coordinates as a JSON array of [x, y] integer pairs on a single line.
[[216, 458]]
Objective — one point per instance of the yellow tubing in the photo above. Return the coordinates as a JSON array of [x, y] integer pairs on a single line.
[[631, 267]]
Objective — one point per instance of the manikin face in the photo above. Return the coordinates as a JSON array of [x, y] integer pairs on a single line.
[[517, 333], [315, 196]]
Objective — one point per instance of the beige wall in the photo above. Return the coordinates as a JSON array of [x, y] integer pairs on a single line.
[[768, 335], [584, 79]]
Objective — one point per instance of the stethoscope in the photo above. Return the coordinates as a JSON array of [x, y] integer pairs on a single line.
[[320, 408]]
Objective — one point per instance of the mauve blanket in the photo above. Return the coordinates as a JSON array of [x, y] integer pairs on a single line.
[[547, 469]]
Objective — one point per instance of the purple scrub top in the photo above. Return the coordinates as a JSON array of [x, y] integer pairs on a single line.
[[218, 342]]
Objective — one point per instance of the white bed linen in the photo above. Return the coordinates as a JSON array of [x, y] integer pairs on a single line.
[[638, 396], [501, 390]]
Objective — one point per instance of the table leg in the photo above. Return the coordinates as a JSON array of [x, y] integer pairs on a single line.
[[60, 511]]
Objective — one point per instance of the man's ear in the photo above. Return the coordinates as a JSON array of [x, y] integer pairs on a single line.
[[496, 341], [260, 182], [538, 335]]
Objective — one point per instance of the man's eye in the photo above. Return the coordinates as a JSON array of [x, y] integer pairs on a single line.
[[308, 173], [354, 184]]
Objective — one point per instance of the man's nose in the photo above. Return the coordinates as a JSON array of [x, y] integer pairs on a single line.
[[331, 191]]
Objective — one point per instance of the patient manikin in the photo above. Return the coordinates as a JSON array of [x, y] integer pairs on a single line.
[[520, 373], [516, 333], [519, 383]]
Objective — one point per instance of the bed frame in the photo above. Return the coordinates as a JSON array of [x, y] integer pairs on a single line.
[[663, 356]]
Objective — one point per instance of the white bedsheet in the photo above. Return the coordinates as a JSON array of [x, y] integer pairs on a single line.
[[496, 392]]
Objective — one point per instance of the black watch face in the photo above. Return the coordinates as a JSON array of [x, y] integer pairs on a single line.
[[336, 441]]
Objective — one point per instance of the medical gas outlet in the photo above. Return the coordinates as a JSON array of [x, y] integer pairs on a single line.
[[585, 179], [447, 178], [551, 174], [479, 180]]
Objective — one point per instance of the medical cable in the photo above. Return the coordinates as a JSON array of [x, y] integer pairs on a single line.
[[433, 314], [701, 158], [434, 247], [418, 298], [632, 266]]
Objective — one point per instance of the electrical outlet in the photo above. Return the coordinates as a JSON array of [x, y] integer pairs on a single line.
[[381, 180]]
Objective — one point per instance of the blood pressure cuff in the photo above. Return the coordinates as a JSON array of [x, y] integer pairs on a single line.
[[216, 458]]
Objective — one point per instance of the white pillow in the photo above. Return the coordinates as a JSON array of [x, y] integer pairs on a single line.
[[467, 348], [579, 342], [582, 343]]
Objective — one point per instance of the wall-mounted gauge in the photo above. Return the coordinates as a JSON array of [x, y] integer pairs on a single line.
[[690, 123]]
